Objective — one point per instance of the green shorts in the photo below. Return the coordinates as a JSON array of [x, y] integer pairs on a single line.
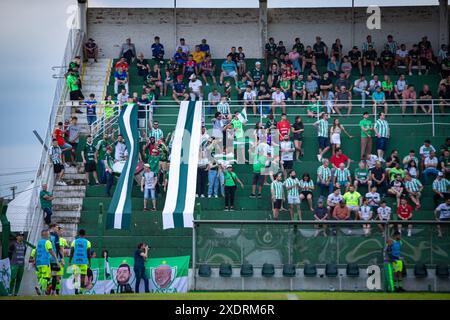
[[43, 272], [82, 268], [397, 266]]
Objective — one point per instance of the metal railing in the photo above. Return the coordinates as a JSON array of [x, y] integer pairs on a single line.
[[299, 242], [44, 174]]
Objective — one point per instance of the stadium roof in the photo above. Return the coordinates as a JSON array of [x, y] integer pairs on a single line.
[[255, 3]]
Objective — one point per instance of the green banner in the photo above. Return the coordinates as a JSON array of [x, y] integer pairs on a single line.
[[165, 275]]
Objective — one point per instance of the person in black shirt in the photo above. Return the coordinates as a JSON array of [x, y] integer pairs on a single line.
[[298, 46], [234, 55], [444, 97], [325, 84], [270, 51], [370, 57], [355, 58], [140, 256], [445, 67], [425, 97], [308, 58], [321, 50], [297, 130], [143, 68], [281, 49], [414, 59], [387, 59], [378, 178]]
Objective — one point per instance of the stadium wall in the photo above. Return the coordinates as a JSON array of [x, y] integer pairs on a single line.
[[226, 27]]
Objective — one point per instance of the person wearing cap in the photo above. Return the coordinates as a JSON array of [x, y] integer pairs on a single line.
[[441, 189], [208, 69], [256, 75], [16, 254], [355, 57], [128, 51], [90, 50], [148, 186], [195, 88], [179, 90], [231, 182]]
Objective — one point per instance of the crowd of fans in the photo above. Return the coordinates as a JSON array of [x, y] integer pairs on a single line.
[[289, 75]]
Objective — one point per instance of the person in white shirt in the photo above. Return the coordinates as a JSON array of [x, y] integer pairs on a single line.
[[250, 99], [120, 153], [373, 198], [371, 161], [148, 186], [278, 100], [384, 214], [399, 87], [430, 166], [365, 213], [374, 84], [401, 57], [442, 213], [333, 200], [122, 97], [213, 99], [287, 150], [360, 89], [195, 88], [184, 47]]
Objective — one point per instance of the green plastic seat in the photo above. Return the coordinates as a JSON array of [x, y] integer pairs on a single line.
[[204, 271], [310, 270], [420, 270], [225, 270], [289, 270], [352, 270], [442, 271], [268, 270], [246, 270], [331, 270]]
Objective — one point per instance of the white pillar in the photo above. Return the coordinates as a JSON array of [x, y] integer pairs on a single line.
[[262, 25], [443, 23]]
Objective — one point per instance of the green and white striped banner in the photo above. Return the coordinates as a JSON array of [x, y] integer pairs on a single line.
[[119, 212], [180, 199]]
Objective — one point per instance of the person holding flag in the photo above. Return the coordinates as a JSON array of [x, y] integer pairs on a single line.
[[80, 256]]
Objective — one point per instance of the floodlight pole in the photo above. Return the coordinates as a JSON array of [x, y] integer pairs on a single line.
[[353, 23], [175, 34]]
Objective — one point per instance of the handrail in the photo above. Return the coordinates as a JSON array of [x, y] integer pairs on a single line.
[[333, 222]]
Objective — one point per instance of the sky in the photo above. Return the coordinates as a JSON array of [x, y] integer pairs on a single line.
[[33, 40], [33, 37]]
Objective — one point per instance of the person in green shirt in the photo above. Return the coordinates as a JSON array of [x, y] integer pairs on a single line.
[[362, 177], [238, 127], [298, 88], [258, 178], [231, 181], [241, 86], [109, 162], [388, 87], [396, 170], [101, 153], [45, 199], [285, 86], [366, 136], [314, 108], [73, 85], [89, 156]]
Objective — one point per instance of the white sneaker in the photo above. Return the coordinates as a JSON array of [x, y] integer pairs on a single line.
[[196, 195], [216, 196], [209, 196], [202, 196], [319, 157], [420, 73], [207, 85], [409, 233], [410, 73], [63, 183]]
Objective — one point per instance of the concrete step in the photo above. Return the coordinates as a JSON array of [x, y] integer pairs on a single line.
[[74, 176], [88, 78], [79, 169], [63, 217], [67, 204], [69, 193], [69, 188]]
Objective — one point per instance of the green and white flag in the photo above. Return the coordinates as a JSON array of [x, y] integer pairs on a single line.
[[243, 116], [180, 199], [166, 275], [119, 212]]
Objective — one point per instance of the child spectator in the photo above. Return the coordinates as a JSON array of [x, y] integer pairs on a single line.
[[414, 189]]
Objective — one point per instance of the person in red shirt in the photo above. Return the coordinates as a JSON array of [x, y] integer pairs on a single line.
[[58, 134], [283, 127], [404, 213], [338, 158], [122, 63]]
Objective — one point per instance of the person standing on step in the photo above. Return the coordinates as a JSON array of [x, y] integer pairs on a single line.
[[45, 199], [100, 154], [89, 156], [109, 162], [55, 154], [140, 256], [74, 138], [322, 133], [366, 135], [148, 186], [383, 134], [276, 190], [231, 181], [16, 254], [80, 257], [292, 185]]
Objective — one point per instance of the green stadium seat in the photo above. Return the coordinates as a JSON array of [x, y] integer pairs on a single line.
[[352, 270], [442, 271], [420, 270], [225, 270], [331, 270], [310, 270], [268, 270], [289, 270], [204, 271], [247, 270]]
